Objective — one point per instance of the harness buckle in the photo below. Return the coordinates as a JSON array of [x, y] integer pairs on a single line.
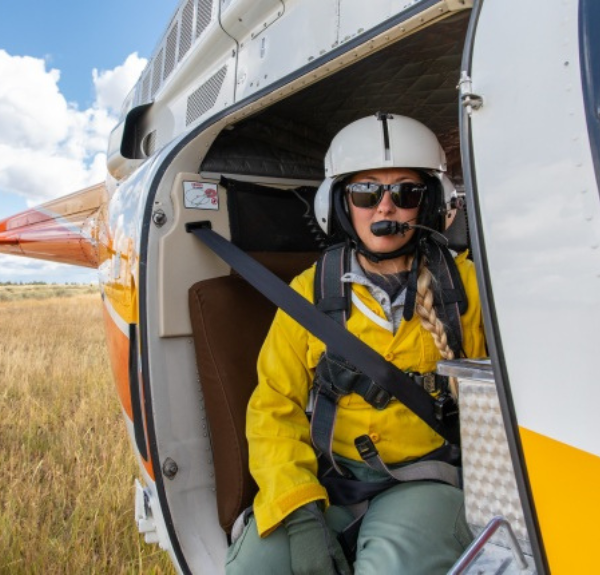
[[376, 396], [431, 382], [365, 447], [445, 407]]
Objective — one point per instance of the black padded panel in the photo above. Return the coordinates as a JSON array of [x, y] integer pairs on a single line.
[[416, 77], [270, 219]]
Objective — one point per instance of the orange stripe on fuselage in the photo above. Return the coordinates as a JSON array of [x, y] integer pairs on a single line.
[[564, 481], [118, 348]]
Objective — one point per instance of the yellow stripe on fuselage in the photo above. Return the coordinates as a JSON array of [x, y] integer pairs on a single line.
[[123, 300], [564, 481]]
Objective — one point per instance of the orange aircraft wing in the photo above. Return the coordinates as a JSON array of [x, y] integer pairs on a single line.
[[64, 230]]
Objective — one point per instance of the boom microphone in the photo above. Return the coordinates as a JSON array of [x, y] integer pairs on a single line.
[[390, 228]]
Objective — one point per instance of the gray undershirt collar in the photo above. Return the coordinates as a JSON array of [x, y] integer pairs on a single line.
[[392, 308]]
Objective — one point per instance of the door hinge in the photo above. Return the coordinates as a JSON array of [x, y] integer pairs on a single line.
[[469, 100]]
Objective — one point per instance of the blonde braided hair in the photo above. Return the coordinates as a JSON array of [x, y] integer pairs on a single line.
[[429, 319]]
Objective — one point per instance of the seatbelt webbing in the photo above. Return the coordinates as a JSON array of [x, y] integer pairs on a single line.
[[322, 425], [417, 471], [335, 337]]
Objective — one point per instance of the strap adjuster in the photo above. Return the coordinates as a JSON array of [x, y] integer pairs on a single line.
[[365, 447], [376, 396], [325, 388]]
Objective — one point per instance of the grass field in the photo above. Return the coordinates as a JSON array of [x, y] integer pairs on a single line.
[[66, 467], [43, 291]]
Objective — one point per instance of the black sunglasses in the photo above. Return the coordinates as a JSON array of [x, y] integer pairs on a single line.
[[407, 195]]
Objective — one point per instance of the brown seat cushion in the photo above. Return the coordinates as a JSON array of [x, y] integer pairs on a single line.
[[230, 320]]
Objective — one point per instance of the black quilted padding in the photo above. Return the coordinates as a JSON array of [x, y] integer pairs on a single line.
[[415, 77]]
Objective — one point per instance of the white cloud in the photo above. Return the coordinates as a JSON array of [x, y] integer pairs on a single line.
[[48, 147], [40, 176], [113, 85], [17, 269], [33, 112]]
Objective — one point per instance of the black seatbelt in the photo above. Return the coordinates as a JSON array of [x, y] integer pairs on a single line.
[[337, 339]]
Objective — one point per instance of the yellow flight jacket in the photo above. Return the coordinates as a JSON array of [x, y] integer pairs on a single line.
[[282, 459]]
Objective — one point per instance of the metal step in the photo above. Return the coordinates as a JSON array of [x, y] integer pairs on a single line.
[[485, 557]]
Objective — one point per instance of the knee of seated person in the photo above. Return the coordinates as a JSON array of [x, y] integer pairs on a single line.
[[420, 505], [252, 554]]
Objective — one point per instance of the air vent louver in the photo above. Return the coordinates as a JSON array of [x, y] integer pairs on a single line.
[[204, 16], [146, 87], [187, 23], [204, 98], [156, 72], [171, 51]]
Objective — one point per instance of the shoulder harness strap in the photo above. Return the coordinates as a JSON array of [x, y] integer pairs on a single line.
[[386, 380], [332, 296], [450, 298]]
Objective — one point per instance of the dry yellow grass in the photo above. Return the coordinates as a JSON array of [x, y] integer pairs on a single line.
[[66, 466], [43, 291]]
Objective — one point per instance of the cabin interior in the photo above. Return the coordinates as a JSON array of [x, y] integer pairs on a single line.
[[272, 163], [416, 77]]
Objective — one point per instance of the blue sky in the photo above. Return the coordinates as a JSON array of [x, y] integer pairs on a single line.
[[65, 67]]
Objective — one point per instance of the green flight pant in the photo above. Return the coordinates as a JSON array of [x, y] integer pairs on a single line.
[[415, 528]]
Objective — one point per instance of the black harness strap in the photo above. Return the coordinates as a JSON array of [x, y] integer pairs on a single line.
[[415, 471], [450, 298], [335, 377], [411, 291], [337, 339], [345, 490], [331, 295]]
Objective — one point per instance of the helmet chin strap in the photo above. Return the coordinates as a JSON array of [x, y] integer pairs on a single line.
[[377, 257]]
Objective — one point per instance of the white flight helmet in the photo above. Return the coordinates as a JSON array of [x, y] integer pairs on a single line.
[[379, 141]]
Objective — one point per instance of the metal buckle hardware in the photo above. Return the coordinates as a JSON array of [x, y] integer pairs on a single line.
[[445, 407], [431, 382], [365, 447]]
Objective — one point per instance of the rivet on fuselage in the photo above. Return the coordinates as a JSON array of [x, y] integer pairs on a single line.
[[159, 218], [170, 468]]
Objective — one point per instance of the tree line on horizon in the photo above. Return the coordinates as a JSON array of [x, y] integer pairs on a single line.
[[42, 283]]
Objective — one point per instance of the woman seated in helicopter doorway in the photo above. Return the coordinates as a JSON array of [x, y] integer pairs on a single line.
[[339, 491]]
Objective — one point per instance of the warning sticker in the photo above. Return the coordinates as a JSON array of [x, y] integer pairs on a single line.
[[200, 196]]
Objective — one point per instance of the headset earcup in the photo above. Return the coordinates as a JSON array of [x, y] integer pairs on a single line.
[[431, 213], [341, 216]]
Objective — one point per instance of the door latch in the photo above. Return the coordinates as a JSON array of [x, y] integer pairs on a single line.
[[469, 100]]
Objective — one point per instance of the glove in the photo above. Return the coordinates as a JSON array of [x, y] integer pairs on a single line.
[[314, 548]]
